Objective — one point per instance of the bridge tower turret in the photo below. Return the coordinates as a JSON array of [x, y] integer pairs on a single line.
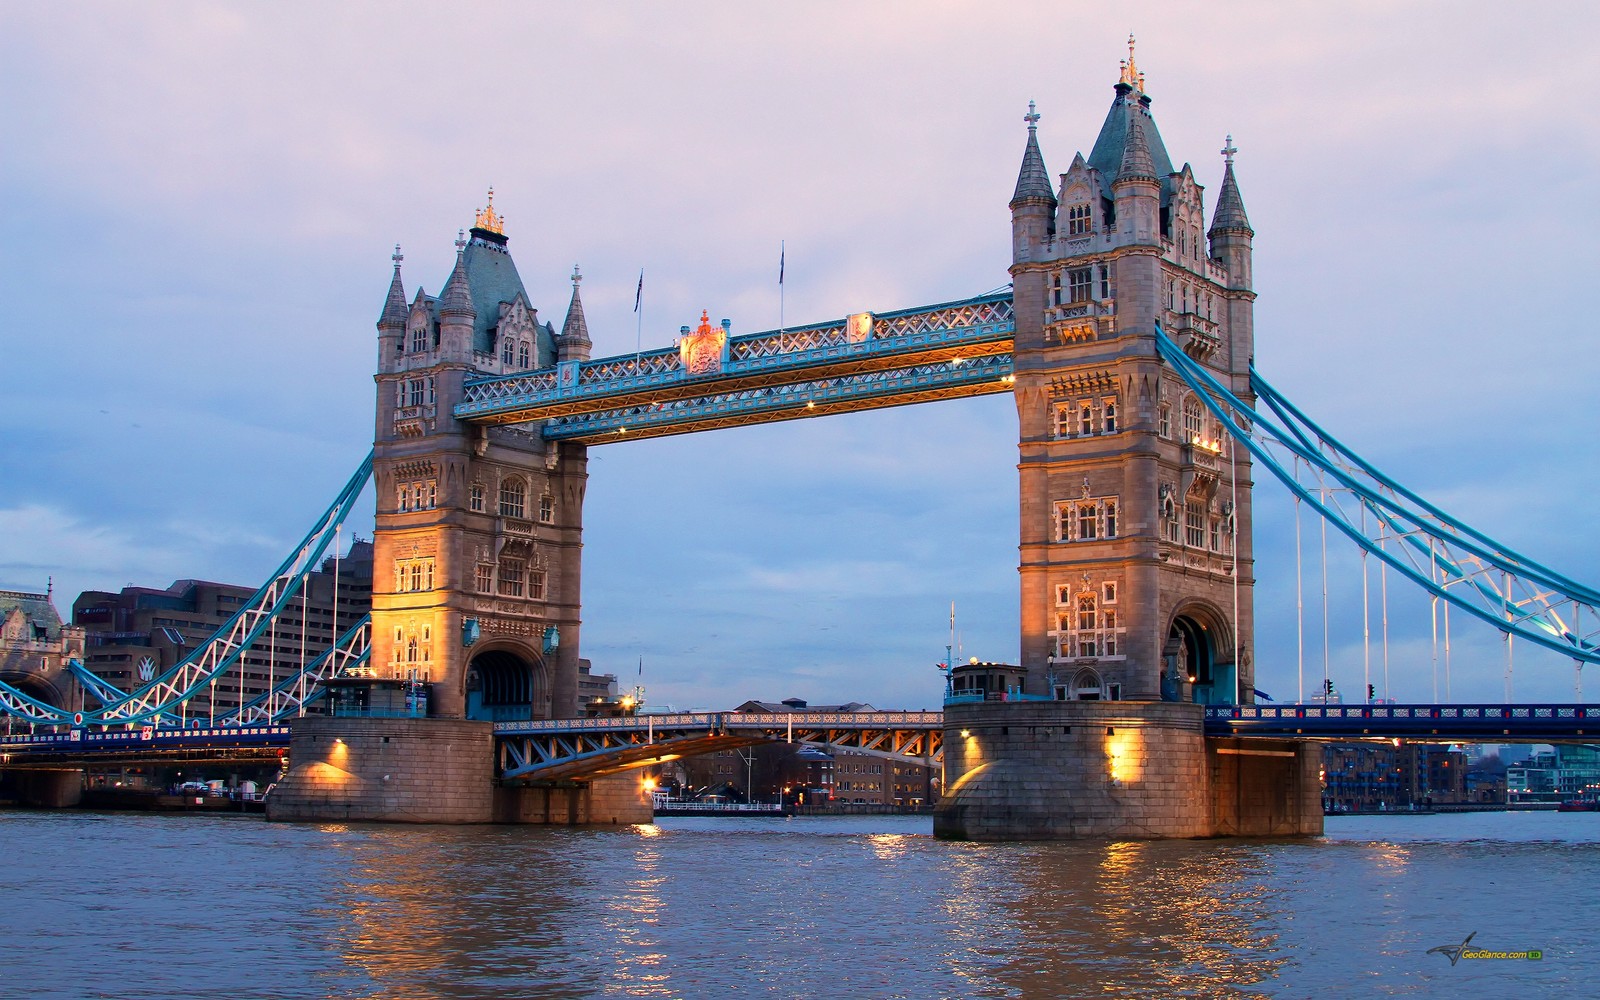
[[1135, 569], [476, 575]]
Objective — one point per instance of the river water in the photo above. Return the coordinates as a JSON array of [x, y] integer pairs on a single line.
[[136, 906]]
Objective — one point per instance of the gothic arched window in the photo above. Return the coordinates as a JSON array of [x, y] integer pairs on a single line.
[[513, 497]]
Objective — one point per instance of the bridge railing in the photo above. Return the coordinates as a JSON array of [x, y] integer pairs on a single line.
[[726, 720], [145, 736]]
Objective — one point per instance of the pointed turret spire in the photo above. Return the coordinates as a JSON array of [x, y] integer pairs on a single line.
[[575, 330], [457, 297], [1033, 181], [1136, 161], [394, 307], [1230, 206]]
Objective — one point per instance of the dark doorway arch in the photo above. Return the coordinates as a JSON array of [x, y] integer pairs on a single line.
[[504, 685]]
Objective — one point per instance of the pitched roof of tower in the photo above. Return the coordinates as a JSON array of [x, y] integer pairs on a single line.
[[394, 307], [576, 328], [1136, 160], [457, 295], [1110, 147], [1033, 181], [1230, 206]]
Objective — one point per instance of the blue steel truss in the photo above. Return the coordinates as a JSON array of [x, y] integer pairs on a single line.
[[347, 657], [1447, 559], [959, 348], [1413, 723], [164, 694], [591, 748]]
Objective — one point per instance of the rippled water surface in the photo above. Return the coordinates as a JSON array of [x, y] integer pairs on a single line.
[[128, 905]]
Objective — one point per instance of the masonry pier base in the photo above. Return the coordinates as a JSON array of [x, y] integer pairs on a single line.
[[1066, 770], [429, 771]]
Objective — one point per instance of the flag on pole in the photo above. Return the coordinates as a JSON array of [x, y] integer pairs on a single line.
[[638, 295], [782, 253]]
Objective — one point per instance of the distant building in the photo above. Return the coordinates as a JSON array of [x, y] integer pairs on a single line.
[[136, 634], [35, 646]]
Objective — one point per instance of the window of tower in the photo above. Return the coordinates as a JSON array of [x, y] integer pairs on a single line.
[[508, 350], [414, 389], [522, 355], [1164, 421], [475, 499], [419, 339], [513, 497], [511, 571], [1108, 416], [1111, 522], [403, 500], [1077, 220], [547, 508], [1087, 522], [536, 585], [1085, 418], [485, 578], [1193, 422], [1055, 289], [1080, 281], [431, 390], [1194, 518], [1108, 592], [1106, 289]]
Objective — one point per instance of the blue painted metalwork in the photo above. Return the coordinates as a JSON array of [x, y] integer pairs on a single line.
[[96, 686], [162, 695], [1440, 554], [774, 358], [348, 656], [1435, 723], [156, 740], [585, 748], [790, 401]]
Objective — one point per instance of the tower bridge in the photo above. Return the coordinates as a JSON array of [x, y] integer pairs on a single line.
[[1125, 340]]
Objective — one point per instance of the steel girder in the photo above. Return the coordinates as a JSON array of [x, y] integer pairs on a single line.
[[899, 341], [350, 654], [1449, 560], [1413, 723], [164, 694], [566, 749], [871, 390]]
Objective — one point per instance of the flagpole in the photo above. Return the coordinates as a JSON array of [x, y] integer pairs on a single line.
[[782, 254], [638, 310]]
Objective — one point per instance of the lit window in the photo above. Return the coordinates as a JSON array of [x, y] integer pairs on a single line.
[[513, 498], [1063, 420], [476, 499], [1077, 220], [547, 508], [485, 579]]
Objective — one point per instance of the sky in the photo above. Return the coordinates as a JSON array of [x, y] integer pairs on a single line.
[[198, 203]]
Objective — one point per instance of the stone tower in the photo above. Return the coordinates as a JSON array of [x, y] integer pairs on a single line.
[[1135, 520], [479, 529], [1135, 513]]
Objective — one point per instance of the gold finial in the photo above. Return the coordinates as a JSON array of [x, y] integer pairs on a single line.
[[1130, 72], [490, 221]]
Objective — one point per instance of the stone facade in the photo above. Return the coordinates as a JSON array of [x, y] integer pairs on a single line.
[[1135, 516], [393, 770], [35, 646], [1136, 561], [479, 529]]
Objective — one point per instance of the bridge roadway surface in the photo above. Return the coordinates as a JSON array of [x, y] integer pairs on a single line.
[[583, 748]]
